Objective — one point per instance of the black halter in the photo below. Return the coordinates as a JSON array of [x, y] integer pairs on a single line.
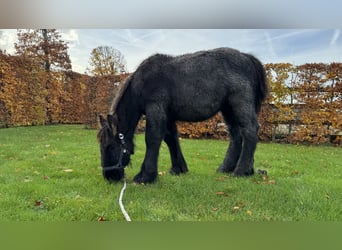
[[123, 150]]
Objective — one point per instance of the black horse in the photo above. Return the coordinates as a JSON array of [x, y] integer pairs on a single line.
[[191, 87]]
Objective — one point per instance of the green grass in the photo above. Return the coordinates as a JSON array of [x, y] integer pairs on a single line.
[[53, 173]]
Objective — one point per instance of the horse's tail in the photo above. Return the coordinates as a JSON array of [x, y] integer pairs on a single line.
[[261, 82]]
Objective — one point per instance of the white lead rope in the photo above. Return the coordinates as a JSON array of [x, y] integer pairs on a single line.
[[123, 210]]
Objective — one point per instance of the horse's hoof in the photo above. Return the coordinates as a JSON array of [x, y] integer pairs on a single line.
[[174, 171], [238, 172], [142, 178], [223, 169], [178, 170]]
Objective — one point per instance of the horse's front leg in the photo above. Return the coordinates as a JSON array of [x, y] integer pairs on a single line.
[[155, 132]]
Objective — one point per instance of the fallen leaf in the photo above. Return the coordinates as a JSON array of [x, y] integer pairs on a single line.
[[53, 152], [214, 208], [241, 204], [249, 212], [238, 206], [221, 178], [45, 177], [220, 193], [272, 182], [27, 179], [162, 173], [264, 180], [101, 218], [37, 203]]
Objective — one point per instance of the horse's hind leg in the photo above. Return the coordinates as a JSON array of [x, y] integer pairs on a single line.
[[249, 130], [235, 146], [177, 159]]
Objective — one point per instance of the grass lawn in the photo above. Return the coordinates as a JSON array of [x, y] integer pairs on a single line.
[[53, 173]]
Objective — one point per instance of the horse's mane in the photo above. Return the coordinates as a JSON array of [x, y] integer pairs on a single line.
[[146, 65], [119, 94], [105, 134]]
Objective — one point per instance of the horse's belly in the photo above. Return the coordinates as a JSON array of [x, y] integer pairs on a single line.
[[193, 113]]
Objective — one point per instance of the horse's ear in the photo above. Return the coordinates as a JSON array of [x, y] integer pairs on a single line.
[[113, 122], [102, 121], [110, 119]]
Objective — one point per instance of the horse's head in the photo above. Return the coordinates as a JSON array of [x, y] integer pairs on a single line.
[[114, 154]]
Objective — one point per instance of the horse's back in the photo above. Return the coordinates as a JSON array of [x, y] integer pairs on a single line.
[[194, 86]]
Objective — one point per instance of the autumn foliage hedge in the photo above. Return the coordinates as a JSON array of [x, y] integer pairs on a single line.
[[304, 104], [32, 96]]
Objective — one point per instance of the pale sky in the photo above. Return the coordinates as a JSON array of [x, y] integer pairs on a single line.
[[296, 46]]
